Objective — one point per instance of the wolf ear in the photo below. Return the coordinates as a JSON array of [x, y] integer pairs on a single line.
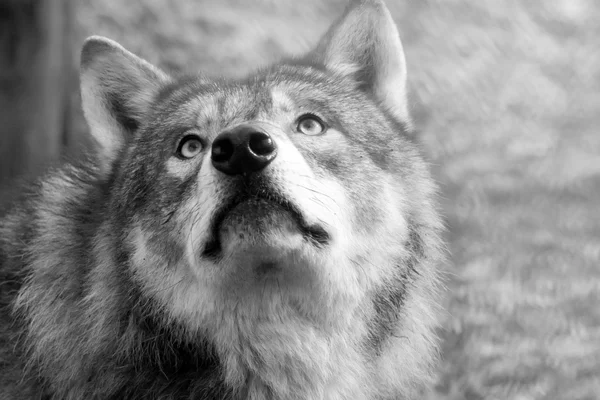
[[364, 44], [117, 89]]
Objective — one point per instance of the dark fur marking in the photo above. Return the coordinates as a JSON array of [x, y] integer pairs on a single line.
[[164, 362], [388, 303], [221, 102], [262, 102], [123, 116], [332, 164], [398, 126]]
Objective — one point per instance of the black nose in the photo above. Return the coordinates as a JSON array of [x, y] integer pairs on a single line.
[[243, 150]]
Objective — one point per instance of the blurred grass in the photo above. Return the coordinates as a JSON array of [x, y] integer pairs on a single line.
[[507, 98]]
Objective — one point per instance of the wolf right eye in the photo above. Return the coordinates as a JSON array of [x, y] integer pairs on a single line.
[[189, 146], [310, 125]]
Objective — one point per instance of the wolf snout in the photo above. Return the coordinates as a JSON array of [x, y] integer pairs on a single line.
[[243, 150]]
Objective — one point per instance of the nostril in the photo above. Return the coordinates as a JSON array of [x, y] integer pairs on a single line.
[[222, 150], [261, 144], [242, 150]]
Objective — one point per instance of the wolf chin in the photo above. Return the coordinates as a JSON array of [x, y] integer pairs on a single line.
[[274, 237]]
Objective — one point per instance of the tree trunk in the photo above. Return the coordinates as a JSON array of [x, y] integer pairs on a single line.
[[35, 68]]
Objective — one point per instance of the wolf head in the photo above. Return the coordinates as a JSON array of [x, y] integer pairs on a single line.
[[286, 217]]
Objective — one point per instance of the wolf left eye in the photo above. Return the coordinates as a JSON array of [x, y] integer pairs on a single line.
[[310, 124], [190, 146]]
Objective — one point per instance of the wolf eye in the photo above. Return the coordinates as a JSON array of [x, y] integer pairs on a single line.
[[189, 146], [310, 124]]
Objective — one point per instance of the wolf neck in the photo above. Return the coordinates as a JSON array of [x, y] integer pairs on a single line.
[[291, 357]]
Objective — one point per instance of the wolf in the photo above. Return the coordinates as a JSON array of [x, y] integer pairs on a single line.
[[272, 237]]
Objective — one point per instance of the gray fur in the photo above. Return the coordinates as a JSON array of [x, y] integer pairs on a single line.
[[86, 256]]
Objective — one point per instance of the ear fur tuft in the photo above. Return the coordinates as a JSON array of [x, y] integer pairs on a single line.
[[117, 90]]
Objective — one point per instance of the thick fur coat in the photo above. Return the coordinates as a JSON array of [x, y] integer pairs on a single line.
[[152, 271]]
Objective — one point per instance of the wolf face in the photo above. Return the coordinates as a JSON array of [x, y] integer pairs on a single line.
[[286, 219], [293, 177]]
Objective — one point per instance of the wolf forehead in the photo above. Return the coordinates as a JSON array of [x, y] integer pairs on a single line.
[[279, 94], [281, 86]]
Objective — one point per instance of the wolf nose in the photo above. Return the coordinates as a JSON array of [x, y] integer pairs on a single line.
[[242, 150]]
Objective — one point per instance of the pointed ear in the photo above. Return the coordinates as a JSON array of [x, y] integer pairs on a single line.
[[117, 89], [364, 43]]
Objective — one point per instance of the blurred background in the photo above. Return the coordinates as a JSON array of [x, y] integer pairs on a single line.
[[506, 100]]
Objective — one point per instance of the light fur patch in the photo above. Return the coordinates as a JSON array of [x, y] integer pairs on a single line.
[[177, 168], [282, 104]]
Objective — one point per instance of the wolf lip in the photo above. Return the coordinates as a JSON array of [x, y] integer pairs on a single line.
[[315, 234]]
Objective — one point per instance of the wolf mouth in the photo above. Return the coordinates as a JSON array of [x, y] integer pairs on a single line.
[[314, 234]]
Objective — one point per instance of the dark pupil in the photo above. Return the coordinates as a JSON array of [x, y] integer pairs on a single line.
[[192, 145], [309, 124]]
